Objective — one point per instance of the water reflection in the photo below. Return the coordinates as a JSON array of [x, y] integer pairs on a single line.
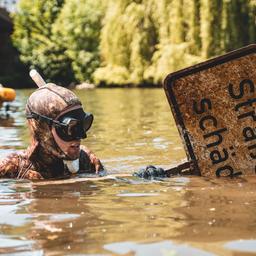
[[220, 211], [13, 220], [242, 246], [194, 216], [160, 248], [11, 127], [7, 121]]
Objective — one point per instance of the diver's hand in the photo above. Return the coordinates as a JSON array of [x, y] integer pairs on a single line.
[[96, 162], [150, 172], [33, 175]]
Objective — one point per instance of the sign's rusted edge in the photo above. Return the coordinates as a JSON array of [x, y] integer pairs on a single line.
[[170, 79]]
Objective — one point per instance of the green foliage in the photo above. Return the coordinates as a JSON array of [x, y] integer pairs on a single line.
[[240, 23], [144, 41], [194, 27], [78, 26], [60, 39], [214, 15], [169, 57], [128, 42], [35, 41]]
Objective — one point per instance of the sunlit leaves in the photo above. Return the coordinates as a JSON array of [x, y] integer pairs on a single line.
[[128, 42]]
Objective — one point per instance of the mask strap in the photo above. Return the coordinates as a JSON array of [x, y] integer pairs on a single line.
[[48, 120]]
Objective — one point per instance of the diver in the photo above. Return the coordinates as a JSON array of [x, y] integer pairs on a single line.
[[58, 123]]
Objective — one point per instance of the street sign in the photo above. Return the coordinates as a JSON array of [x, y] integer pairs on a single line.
[[213, 104]]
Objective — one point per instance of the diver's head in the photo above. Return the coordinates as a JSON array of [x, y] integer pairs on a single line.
[[57, 120]]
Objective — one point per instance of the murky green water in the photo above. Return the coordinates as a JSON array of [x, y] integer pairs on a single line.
[[125, 216]]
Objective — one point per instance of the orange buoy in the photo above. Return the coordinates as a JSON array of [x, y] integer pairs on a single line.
[[7, 94]]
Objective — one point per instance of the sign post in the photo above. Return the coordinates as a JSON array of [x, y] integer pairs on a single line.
[[213, 104]]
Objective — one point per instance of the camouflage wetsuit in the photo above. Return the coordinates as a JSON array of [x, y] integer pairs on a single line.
[[43, 159], [34, 164]]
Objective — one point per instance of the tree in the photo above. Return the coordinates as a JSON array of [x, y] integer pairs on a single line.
[[211, 23], [34, 39], [128, 42], [194, 27], [78, 26], [177, 39]]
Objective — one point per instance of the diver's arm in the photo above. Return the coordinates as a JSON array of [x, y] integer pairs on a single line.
[[15, 166], [94, 160]]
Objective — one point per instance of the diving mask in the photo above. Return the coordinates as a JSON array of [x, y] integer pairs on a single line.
[[70, 126], [73, 127]]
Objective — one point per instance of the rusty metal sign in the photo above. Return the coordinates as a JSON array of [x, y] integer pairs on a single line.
[[213, 104]]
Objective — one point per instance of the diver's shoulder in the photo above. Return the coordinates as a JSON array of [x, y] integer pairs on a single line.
[[10, 163]]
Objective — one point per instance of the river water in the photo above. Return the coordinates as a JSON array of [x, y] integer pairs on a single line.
[[124, 215]]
